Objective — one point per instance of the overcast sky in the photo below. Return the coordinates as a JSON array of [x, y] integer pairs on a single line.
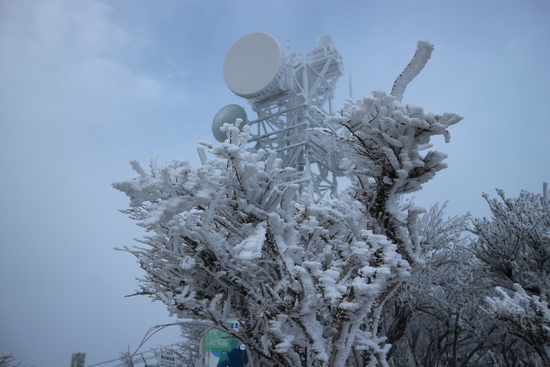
[[86, 86]]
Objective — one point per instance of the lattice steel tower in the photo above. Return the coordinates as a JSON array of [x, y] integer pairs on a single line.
[[290, 94]]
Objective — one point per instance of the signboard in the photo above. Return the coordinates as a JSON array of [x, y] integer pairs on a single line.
[[217, 340], [223, 350], [78, 359], [167, 360]]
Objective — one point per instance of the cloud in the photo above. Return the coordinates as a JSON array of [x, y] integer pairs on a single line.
[[62, 28], [62, 56], [74, 104]]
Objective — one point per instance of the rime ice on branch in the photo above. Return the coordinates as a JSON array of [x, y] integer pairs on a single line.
[[515, 247], [307, 279]]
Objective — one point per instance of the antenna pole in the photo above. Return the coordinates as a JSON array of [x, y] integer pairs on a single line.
[[350, 89], [287, 40]]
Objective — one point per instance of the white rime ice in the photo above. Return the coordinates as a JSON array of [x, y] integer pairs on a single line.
[[307, 279], [420, 59], [515, 246]]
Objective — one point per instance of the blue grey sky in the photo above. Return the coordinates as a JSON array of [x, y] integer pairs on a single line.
[[86, 86]]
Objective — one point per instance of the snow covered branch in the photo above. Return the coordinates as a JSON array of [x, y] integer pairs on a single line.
[[420, 59], [386, 140], [515, 246]]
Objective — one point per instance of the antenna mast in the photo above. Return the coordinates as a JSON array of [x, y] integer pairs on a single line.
[[289, 94]]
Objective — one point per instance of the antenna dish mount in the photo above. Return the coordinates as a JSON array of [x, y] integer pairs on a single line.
[[254, 67], [228, 114]]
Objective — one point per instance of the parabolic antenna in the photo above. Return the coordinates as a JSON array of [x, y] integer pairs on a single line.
[[323, 41], [228, 114], [254, 66]]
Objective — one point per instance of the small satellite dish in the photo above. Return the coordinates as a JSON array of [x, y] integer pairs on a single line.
[[228, 114], [323, 41], [254, 66]]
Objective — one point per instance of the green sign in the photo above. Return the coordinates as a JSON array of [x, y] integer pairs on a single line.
[[218, 340]]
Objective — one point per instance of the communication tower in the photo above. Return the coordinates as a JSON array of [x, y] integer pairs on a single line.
[[290, 94]]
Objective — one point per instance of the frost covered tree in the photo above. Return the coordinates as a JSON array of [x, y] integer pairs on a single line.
[[8, 360], [127, 358], [428, 320], [434, 319], [307, 279], [186, 351], [515, 247]]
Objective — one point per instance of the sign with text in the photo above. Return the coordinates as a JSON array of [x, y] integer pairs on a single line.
[[167, 360]]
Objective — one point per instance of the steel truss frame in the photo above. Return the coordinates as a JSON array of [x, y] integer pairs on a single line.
[[284, 119]]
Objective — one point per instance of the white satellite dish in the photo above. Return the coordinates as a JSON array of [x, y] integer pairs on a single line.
[[254, 66], [323, 41], [228, 114]]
